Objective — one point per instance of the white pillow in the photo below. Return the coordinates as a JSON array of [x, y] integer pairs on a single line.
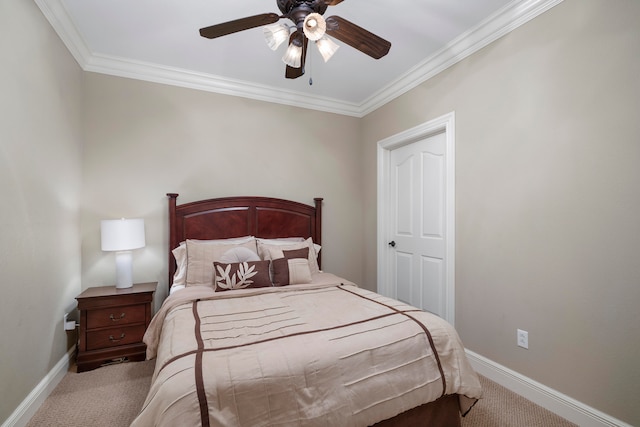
[[180, 254], [175, 288], [239, 254], [270, 251], [280, 240], [201, 256], [243, 239]]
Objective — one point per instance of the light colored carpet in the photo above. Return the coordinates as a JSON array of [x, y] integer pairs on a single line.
[[500, 407], [111, 396]]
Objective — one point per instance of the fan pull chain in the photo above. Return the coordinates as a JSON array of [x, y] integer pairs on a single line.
[[310, 69]]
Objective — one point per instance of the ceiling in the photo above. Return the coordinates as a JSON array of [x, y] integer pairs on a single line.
[[159, 41]]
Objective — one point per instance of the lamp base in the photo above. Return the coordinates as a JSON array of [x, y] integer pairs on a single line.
[[124, 269]]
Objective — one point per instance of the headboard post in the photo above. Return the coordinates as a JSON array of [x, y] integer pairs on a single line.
[[318, 225], [172, 234]]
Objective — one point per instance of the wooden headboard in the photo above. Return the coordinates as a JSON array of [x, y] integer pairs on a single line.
[[228, 217]]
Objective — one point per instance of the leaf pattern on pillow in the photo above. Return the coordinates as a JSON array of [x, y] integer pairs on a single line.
[[241, 281]]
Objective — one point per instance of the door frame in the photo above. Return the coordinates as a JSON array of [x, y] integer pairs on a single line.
[[446, 124]]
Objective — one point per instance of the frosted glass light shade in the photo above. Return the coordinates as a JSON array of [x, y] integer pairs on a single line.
[[327, 48], [275, 35], [122, 234], [314, 26], [293, 56]]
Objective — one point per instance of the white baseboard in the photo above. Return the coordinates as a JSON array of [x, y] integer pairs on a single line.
[[556, 402], [34, 400]]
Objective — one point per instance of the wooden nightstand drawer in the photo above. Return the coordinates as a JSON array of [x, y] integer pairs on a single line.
[[112, 324], [114, 337], [115, 316]]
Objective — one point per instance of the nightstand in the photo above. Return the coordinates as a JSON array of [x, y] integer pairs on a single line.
[[112, 324]]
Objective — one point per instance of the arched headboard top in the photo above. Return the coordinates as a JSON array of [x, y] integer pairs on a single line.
[[228, 217]]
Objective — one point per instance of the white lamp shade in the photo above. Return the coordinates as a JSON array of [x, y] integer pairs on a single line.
[[276, 34], [314, 26], [327, 48], [293, 56], [122, 234]]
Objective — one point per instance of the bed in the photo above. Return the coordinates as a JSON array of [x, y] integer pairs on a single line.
[[255, 333]]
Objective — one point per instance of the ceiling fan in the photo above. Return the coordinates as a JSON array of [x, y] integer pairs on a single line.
[[309, 24]]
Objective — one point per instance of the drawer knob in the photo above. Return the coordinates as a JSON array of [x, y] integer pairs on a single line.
[[116, 319], [112, 339]]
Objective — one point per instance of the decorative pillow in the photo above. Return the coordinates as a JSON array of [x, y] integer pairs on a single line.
[[241, 275], [296, 253], [269, 252], [201, 256], [239, 254], [291, 271]]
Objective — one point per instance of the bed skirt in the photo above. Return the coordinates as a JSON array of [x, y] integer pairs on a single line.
[[443, 412]]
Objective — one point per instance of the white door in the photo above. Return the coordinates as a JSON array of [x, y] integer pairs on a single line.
[[416, 224]]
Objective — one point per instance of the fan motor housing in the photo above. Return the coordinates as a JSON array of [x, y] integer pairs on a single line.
[[293, 9]]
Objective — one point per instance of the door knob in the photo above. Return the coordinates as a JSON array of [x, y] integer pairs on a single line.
[[392, 244]]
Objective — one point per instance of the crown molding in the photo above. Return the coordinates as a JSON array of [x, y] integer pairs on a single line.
[[128, 68], [59, 18], [502, 22], [497, 25]]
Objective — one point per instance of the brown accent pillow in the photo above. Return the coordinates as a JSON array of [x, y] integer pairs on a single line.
[[275, 251], [293, 271], [241, 275], [296, 253]]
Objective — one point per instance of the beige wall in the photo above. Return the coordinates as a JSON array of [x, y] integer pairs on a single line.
[[40, 140], [547, 198], [547, 189], [144, 140]]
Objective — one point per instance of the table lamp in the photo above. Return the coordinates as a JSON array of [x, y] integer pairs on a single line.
[[122, 236]]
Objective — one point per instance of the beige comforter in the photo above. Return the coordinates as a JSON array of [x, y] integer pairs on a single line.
[[324, 354]]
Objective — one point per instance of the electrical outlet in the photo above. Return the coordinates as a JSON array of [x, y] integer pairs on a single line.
[[523, 339], [69, 325]]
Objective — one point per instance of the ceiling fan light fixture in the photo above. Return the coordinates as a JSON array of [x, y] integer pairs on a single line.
[[276, 34], [305, 22], [327, 48], [293, 56], [314, 26]]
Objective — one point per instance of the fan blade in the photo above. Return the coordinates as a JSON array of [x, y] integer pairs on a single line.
[[332, 2], [239, 25], [357, 37], [294, 73]]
